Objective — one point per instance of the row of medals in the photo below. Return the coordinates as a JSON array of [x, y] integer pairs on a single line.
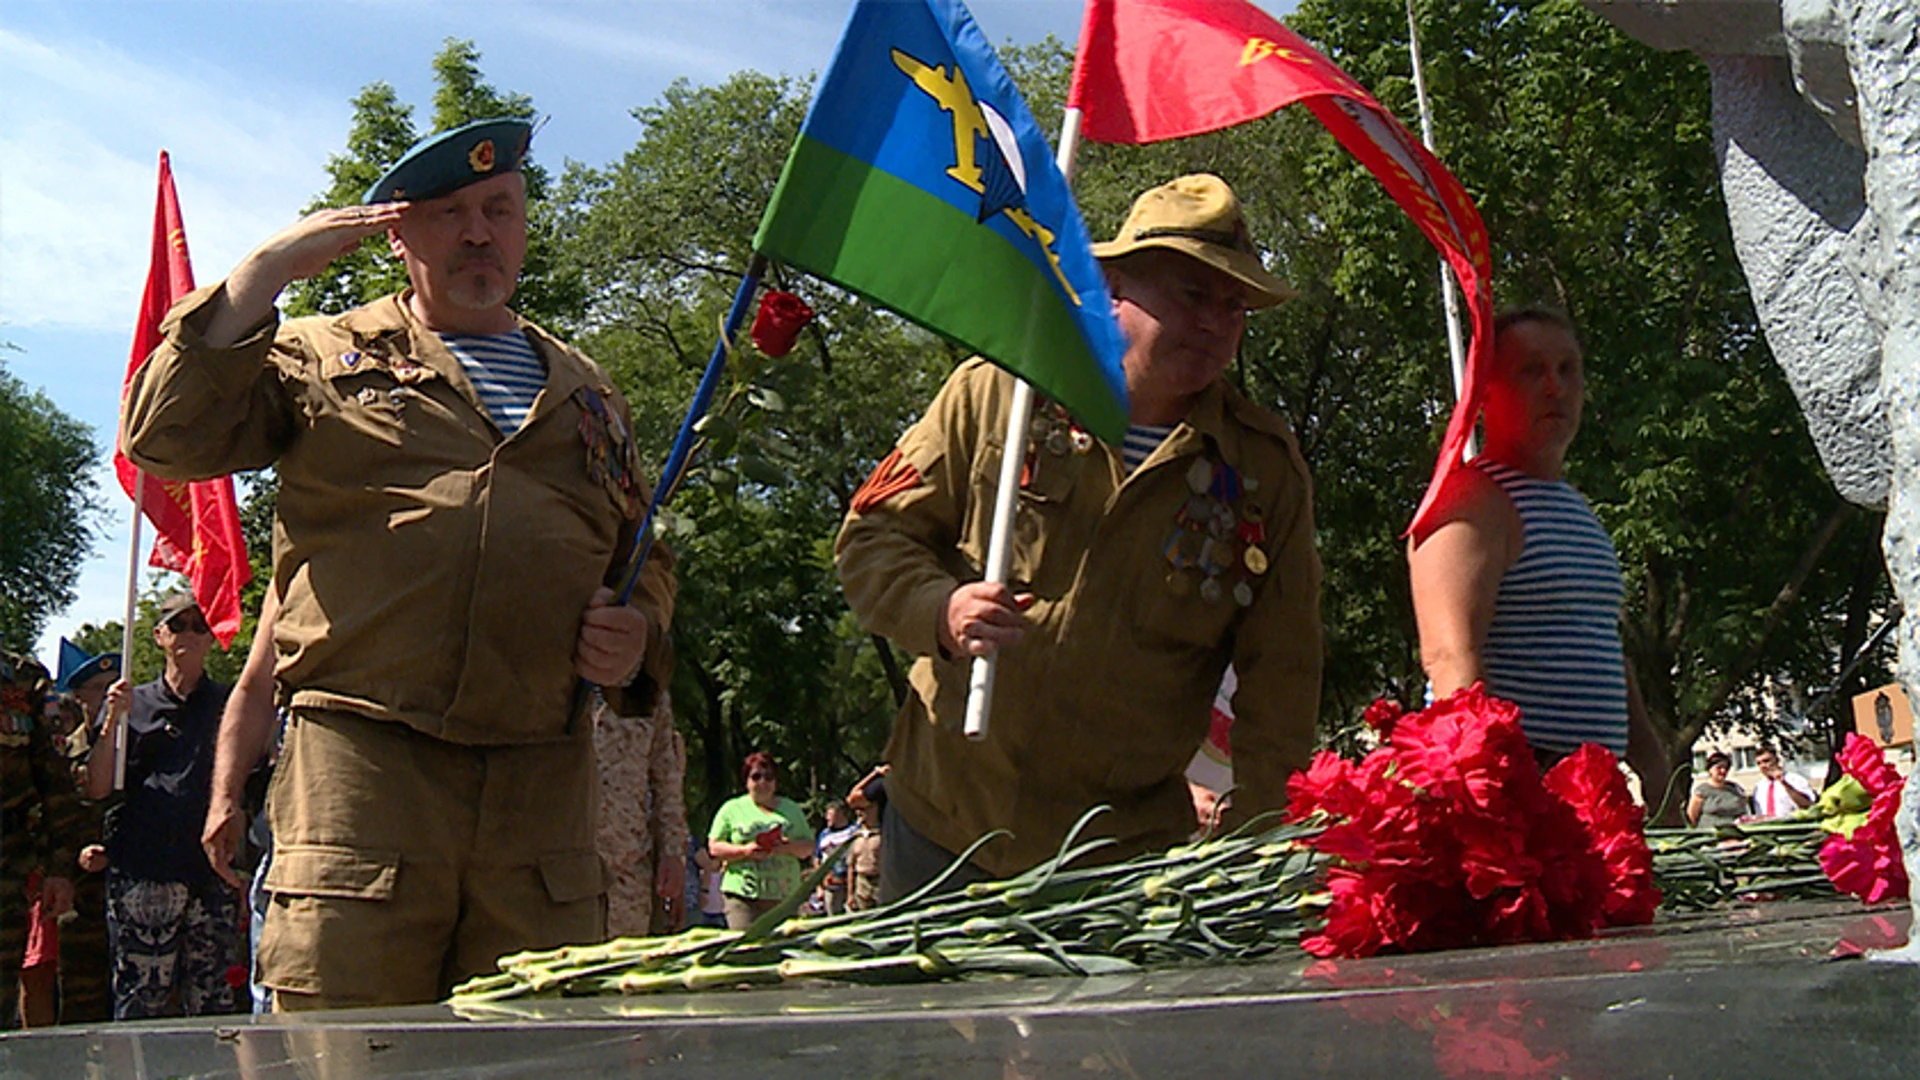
[[1217, 530]]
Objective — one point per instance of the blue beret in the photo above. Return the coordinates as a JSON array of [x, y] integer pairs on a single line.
[[104, 664], [453, 159]]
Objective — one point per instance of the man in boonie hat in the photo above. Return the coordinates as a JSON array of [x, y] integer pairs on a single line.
[[1138, 573], [459, 490]]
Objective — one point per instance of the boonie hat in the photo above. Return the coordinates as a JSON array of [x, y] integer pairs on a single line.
[[173, 604], [451, 160], [1198, 216]]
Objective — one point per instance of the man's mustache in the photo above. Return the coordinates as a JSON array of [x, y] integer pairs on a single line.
[[484, 256]]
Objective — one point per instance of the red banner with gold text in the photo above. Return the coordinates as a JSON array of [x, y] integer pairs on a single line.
[[197, 525]]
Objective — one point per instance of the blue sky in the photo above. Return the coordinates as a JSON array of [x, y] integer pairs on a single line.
[[250, 98]]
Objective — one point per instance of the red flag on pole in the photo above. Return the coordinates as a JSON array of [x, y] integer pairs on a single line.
[[197, 525], [1163, 69]]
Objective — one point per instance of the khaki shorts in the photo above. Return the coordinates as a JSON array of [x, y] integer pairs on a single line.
[[404, 865]]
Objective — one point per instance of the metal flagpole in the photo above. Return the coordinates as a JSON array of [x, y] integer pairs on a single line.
[[1449, 295], [1006, 497], [126, 628]]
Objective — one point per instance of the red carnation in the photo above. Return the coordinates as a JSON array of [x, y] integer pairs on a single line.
[[1868, 863], [1589, 780], [1447, 836], [1382, 714]]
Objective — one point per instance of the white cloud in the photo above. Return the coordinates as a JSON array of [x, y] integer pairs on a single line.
[[702, 42], [79, 143]]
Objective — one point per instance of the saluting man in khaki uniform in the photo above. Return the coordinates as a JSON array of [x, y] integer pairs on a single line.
[[458, 489], [1138, 573]]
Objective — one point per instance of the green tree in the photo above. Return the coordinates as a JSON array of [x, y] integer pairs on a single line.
[[48, 507]]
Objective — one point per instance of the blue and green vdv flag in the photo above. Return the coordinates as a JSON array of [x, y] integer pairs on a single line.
[[921, 182]]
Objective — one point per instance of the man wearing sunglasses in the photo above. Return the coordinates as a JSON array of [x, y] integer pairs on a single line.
[[173, 930]]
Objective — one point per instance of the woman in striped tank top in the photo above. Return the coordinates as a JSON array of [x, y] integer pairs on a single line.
[[1515, 582]]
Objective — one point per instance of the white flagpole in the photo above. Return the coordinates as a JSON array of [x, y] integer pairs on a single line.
[[1449, 295], [126, 627], [1006, 499]]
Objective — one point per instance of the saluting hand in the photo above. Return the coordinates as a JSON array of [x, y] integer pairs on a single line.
[[613, 641], [298, 251], [981, 617], [309, 245]]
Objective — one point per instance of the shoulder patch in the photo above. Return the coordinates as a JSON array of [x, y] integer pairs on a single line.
[[891, 477]]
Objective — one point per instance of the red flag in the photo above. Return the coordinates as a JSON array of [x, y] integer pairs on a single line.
[[197, 525], [1163, 69]]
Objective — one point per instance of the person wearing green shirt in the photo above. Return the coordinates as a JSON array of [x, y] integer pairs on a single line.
[[761, 837]]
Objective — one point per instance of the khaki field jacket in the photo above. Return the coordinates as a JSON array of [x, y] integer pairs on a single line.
[[430, 571], [1109, 694]]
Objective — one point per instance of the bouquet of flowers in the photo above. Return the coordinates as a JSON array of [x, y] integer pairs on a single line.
[[1447, 835]]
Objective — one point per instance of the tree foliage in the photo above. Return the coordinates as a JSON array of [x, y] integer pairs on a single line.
[[47, 509]]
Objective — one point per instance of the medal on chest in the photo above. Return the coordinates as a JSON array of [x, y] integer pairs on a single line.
[[1217, 535], [609, 449], [1052, 432]]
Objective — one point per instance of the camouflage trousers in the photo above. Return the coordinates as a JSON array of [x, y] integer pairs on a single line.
[[86, 993], [177, 948], [14, 909]]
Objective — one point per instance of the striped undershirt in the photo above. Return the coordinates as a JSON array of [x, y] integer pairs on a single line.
[[505, 371], [1554, 646], [1142, 440]]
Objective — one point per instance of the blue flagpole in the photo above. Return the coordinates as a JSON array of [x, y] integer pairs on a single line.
[[676, 466]]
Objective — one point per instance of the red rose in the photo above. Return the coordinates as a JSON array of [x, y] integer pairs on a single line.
[[778, 325]]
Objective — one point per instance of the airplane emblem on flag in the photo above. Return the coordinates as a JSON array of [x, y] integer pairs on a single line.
[[986, 157]]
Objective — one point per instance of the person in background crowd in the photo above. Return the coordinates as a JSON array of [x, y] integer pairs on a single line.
[[1149, 567], [708, 903], [761, 837], [32, 795], [173, 928], [1716, 800], [1515, 582], [642, 825], [248, 731], [1779, 792], [460, 493], [863, 860], [85, 966], [827, 847]]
